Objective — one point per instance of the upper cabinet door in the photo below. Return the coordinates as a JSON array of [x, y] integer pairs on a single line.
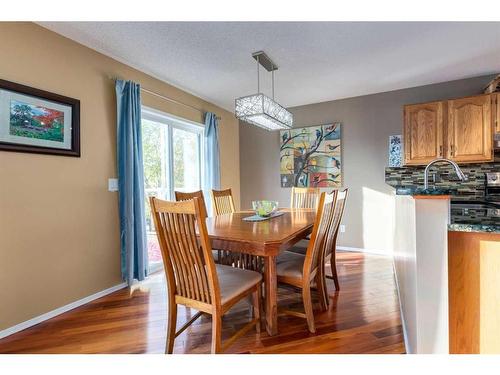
[[470, 129], [423, 132]]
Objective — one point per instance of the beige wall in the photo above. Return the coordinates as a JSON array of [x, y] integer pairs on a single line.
[[368, 121], [59, 228]]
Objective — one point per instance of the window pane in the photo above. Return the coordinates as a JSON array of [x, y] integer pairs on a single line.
[[186, 160], [172, 161], [154, 149]]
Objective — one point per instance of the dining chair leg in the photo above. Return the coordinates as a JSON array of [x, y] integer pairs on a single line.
[[171, 326], [216, 333], [306, 297], [333, 266], [323, 297], [256, 297]]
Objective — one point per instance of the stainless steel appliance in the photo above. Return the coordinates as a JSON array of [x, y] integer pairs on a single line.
[[492, 187], [475, 210], [486, 211], [496, 141]]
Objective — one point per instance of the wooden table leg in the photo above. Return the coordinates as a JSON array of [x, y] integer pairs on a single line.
[[271, 287]]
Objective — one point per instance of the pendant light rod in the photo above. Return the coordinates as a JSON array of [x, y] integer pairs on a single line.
[[258, 78], [266, 62], [272, 74]]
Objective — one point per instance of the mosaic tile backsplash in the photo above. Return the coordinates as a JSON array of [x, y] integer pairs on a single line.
[[443, 176]]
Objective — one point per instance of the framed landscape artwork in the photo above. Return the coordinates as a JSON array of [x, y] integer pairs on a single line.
[[311, 157], [37, 121]]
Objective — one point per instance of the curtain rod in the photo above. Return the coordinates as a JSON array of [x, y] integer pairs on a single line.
[[167, 98]]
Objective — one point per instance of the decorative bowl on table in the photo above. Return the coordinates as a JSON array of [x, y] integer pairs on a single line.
[[265, 208]]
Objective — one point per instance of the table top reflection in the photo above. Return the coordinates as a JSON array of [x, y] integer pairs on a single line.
[[232, 227]]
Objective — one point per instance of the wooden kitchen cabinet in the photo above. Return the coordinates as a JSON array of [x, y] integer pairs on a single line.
[[470, 128], [423, 132], [459, 129], [474, 293]]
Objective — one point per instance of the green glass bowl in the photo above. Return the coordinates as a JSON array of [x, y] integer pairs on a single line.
[[265, 208]]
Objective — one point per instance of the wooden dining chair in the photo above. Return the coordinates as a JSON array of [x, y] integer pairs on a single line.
[[304, 197], [331, 246], [331, 249], [193, 279], [222, 202], [182, 196], [306, 272]]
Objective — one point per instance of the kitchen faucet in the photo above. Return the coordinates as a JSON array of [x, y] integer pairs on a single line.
[[458, 171]]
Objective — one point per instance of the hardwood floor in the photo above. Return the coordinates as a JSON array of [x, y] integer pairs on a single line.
[[362, 318]]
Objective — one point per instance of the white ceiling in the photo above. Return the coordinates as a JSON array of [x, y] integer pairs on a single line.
[[317, 61]]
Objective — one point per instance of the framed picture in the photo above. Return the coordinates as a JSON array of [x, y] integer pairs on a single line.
[[395, 151], [38, 121], [311, 156]]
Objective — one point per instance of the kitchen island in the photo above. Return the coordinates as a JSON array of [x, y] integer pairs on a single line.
[[421, 269], [447, 276]]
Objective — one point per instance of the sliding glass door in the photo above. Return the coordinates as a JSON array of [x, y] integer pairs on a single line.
[[172, 153]]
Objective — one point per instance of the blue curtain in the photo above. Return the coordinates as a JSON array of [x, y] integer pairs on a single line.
[[212, 162], [134, 257]]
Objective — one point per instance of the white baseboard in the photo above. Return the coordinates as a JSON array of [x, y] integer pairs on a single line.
[[361, 250], [41, 318]]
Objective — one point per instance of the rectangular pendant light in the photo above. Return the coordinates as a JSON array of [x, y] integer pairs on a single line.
[[259, 109], [264, 112]]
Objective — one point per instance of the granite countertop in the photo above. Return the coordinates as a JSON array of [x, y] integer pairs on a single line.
[[478, 228], [468, 223], [422, 191]]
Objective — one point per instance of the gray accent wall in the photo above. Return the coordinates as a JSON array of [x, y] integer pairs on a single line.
[[367, 122]]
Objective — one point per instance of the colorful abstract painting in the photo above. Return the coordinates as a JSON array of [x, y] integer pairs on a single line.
[[38, 122], [395, 151], [311, 157]]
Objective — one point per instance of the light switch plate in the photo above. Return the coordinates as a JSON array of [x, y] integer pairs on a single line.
[[113, 184], [342, 229]]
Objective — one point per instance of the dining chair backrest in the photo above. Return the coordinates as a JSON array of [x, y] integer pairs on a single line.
[[337, 219], [222, 202], [187, 257], [319, 238], [181, 196], [304, 197]]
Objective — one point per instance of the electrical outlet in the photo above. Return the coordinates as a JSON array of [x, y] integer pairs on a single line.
[[113, 184], [342, 229]]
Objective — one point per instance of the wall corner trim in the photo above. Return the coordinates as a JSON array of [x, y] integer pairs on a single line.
[[408, 348], [51, 314]]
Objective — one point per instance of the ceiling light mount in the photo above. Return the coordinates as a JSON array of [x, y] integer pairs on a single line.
[[265, 61], [259, 109]]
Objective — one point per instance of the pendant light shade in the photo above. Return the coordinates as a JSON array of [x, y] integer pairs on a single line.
[[264, 112], [259, 109]]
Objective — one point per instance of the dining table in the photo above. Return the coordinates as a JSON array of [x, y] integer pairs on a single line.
[[266, 239]]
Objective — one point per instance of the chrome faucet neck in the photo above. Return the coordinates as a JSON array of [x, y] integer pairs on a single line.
[[458, 171]]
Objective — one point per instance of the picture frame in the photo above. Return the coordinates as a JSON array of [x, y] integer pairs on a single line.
[[395, 151], [311, 156], [38, 121]]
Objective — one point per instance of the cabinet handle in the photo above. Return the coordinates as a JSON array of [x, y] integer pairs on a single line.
[[441, 150], [452, 150]]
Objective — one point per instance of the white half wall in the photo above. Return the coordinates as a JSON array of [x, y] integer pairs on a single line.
[[421, 266]]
